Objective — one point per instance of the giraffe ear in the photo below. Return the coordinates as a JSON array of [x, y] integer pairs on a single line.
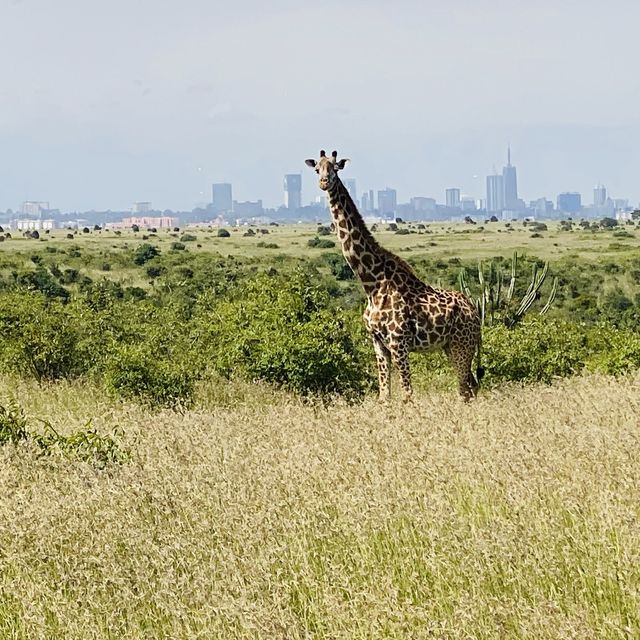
[[341, 164], [310, 163]]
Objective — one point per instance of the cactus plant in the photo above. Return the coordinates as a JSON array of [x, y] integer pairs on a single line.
[[496, 304]]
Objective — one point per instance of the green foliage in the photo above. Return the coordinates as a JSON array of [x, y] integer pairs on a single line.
[[321, 243], [177, 246], [537, 350], [338, 265], [40, 337], [188, 237], [284, 331], [612, 350], [86, 444], [496, 302], [44, 282], [223, 233], [136, 372], [13, 424], [144, 253]]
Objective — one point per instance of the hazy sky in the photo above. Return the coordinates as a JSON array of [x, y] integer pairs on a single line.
[[103, 102]]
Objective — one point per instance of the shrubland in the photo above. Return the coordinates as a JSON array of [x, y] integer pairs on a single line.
[[190, 445], [159, 320]]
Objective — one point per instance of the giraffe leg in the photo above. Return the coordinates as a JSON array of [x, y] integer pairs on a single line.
[[461, 358], [400, 356], [383, 359]]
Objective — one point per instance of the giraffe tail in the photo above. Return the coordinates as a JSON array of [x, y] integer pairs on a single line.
[[479, 367]]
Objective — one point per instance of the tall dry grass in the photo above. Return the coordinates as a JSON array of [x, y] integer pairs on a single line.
[[515, 516]]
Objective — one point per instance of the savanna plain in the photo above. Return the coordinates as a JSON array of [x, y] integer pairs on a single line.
[[191, 445]]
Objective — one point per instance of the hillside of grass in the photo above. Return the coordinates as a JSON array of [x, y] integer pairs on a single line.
[[257, 515]]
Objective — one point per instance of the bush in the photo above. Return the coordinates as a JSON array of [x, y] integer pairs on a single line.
[[155, 271], [86, 444], [223, 233], [177, 246], [188, 237], [135, 372], [537, 350], [41, 337], [321, 243], [144, 253], [283, 330]]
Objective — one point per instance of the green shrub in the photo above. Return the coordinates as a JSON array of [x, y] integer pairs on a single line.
[[86, 444], [41, 338], [177, 246], [537, 350], [13, 424], [321, 243], [136, 372], [612, 350], [188, 237], [144, 253], [283, 330], [223, 233]]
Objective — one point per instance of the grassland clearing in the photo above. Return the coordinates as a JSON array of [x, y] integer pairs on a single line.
[[260, 516]]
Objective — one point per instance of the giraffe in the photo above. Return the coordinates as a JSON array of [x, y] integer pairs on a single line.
[[403, 313]]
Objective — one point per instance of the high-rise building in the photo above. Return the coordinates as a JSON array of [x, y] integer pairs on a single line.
[[387, 201], [141, 207], [599, 196], [222, 198], [420, 203], [495, 193], [293, 191], [453, 198], [350, 184], [569, 202], [510, 182], [372, 205], [34, 208], [365, 202]]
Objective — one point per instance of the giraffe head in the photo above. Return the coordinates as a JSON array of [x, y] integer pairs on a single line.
[[327, 168]]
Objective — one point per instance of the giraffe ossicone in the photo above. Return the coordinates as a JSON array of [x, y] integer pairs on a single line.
[[403, 314]]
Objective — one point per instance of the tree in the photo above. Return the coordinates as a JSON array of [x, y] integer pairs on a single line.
[[608, 223], [144, 253], [135, 228], [223, 233]]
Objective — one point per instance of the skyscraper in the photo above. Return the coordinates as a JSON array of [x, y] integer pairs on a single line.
[[599, 195], [495, 193], [350, 184], [387, 201], [222, 199], [569, 202], [510, 182], [453, 198], [293, 191]]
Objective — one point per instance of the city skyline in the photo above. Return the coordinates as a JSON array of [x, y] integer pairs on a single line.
[[104, 105], [501, 194]]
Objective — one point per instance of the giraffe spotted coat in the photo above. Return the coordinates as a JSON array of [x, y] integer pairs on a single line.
[[403, 313]]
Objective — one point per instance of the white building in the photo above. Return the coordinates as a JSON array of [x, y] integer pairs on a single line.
[[34, 225]]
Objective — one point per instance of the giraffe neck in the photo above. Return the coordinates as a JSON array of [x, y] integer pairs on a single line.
[[359, 247]]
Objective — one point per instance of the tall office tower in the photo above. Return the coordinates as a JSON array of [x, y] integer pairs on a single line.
[[221, 198], [387, 202], [365, 202], [510, 181], [569, 202], [350, 184], [453, 198], [599, 196], [293, 191], [495, 193], [372, 205]]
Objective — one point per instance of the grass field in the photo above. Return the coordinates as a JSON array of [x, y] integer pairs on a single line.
[[437, 240], [257, 516]]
